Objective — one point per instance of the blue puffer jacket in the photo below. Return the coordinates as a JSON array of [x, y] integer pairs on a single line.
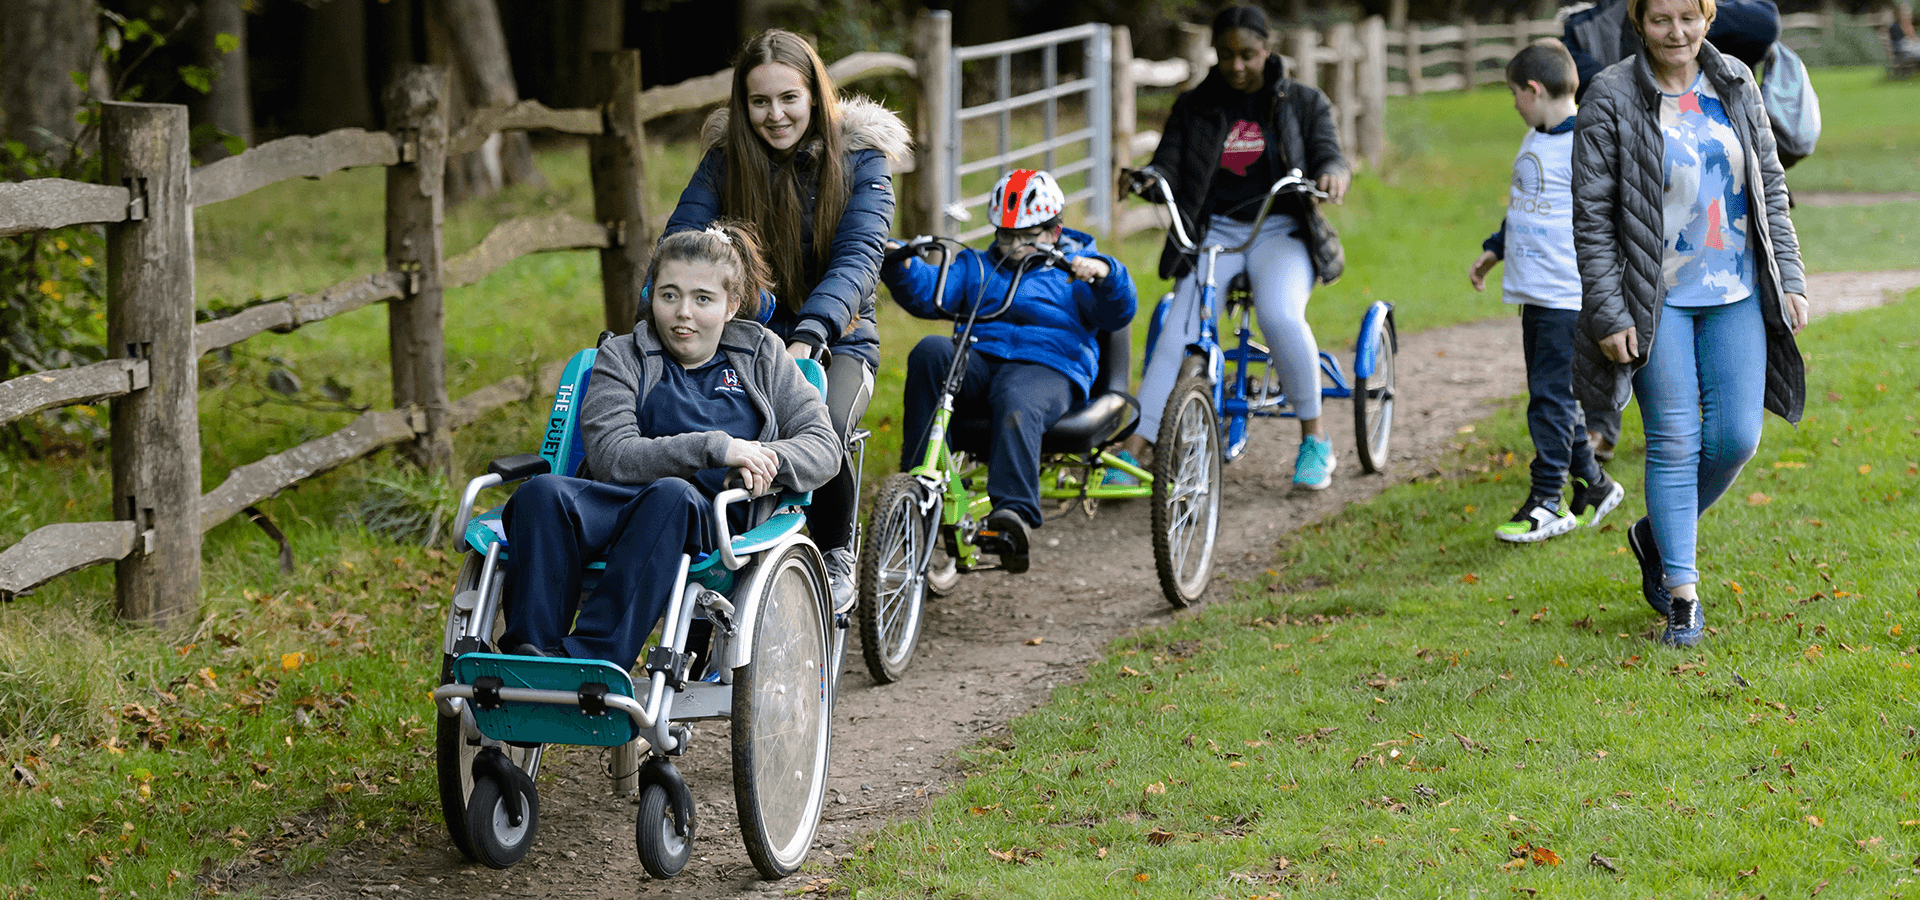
[[839, 310], [1054, 318]]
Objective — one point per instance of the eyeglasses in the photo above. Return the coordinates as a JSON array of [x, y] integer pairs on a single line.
[[1017, 237]]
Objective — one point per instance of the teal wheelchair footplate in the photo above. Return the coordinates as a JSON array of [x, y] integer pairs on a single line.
[[547, 723]]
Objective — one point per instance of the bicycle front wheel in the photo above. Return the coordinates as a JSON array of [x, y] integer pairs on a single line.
[[1186, 489], [893, 577]]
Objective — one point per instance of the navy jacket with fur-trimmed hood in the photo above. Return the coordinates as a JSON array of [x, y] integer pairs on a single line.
[[839, 310], [1619, 233], [1196, 133], [1055, 319]]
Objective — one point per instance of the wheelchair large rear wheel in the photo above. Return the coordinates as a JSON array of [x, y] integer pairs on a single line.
[[457, 741], [781, 713], [893, 577], [1373, 400], [1186, 487]]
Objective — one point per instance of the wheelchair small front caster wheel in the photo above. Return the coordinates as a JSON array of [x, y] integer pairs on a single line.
[[501, 818], [664, 843]]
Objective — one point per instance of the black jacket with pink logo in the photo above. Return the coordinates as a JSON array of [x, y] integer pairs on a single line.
[[1196, 134]]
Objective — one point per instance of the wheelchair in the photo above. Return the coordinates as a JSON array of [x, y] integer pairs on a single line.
[[924, 527], [749, 635]]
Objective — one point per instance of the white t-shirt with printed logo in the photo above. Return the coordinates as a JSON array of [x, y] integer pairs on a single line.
[[1540, 266]]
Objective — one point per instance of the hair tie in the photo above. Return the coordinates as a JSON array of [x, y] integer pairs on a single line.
[[722, 235]]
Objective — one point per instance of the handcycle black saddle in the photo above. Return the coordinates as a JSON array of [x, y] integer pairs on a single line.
[[1109, 415]]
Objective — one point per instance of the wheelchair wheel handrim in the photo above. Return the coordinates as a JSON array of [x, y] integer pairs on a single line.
[[1192, 503], [789, 711]]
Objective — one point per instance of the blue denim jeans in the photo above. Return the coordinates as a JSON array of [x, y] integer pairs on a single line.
[[1701, 394], [1022, 399], [1554, 421]]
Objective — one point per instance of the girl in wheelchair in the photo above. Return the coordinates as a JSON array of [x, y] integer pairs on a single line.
[[699, 396]]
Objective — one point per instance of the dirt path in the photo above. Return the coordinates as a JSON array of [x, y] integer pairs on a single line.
[[992, 650]]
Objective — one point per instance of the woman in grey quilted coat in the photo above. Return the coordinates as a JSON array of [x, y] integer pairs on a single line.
[[1692, 287]]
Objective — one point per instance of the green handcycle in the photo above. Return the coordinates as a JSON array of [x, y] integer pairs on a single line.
[[926, 523]]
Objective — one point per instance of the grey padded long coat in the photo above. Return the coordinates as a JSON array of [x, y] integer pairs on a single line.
[[1619, 238]]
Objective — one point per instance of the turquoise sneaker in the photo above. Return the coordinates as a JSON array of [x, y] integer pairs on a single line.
[[1313, 468], [1119, 478]]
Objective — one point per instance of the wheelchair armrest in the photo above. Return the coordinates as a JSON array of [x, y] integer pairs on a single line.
[[723, 535], [518, 466]]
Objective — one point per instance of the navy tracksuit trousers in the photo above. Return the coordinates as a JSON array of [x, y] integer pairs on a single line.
[[1022, 400], [556, 524], [1554, 419]]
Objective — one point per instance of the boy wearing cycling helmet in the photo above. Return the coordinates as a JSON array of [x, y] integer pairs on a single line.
[[1029, 366]]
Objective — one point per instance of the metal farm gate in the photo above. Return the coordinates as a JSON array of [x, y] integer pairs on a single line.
[[1094, 87]]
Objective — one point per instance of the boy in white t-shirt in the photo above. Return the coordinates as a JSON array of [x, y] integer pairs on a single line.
[[1536, 240]]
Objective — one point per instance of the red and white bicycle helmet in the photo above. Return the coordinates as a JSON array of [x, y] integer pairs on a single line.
[[1025, 198]]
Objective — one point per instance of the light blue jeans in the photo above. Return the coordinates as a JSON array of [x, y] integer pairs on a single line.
[[1701, 397]]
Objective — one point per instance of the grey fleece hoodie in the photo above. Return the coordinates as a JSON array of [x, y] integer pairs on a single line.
[[1620, 239], [794, 422]]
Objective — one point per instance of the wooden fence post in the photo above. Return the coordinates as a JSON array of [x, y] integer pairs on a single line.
[[1304, 45], [155, 435], [1195, 42], [1414, 62], [1469, 38], [1125, 111], [416, 340], [617, 160], [1345, 88], [1373, 91], [933, 60]]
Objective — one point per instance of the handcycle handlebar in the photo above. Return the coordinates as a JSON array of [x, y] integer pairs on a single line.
[[1044, 255], [1145, 183]]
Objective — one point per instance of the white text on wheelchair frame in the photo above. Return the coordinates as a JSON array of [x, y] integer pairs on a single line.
[[557, 425]]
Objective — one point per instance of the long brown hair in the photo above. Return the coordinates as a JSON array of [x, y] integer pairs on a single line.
[[764, 189], [727, 243]]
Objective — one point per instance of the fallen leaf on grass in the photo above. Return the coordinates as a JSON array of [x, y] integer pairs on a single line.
[[1814, 652], [1545, 857], [1864, 470], [1602, 862], [1758, 499], [1020, 855], [1158, 837], [1469, 578], [1816, 821]]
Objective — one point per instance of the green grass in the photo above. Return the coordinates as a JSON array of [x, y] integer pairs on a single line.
[[1867, 139], [78, 689], [1406, 707]]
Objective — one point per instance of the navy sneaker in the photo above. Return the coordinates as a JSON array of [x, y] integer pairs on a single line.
[[1653, 573], [1685, 623], [1592, 502]]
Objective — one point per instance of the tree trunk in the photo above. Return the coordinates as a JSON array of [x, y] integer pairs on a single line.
[[41, 43], [483, 65], [333, 69], [579, 29], [229, 106]]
